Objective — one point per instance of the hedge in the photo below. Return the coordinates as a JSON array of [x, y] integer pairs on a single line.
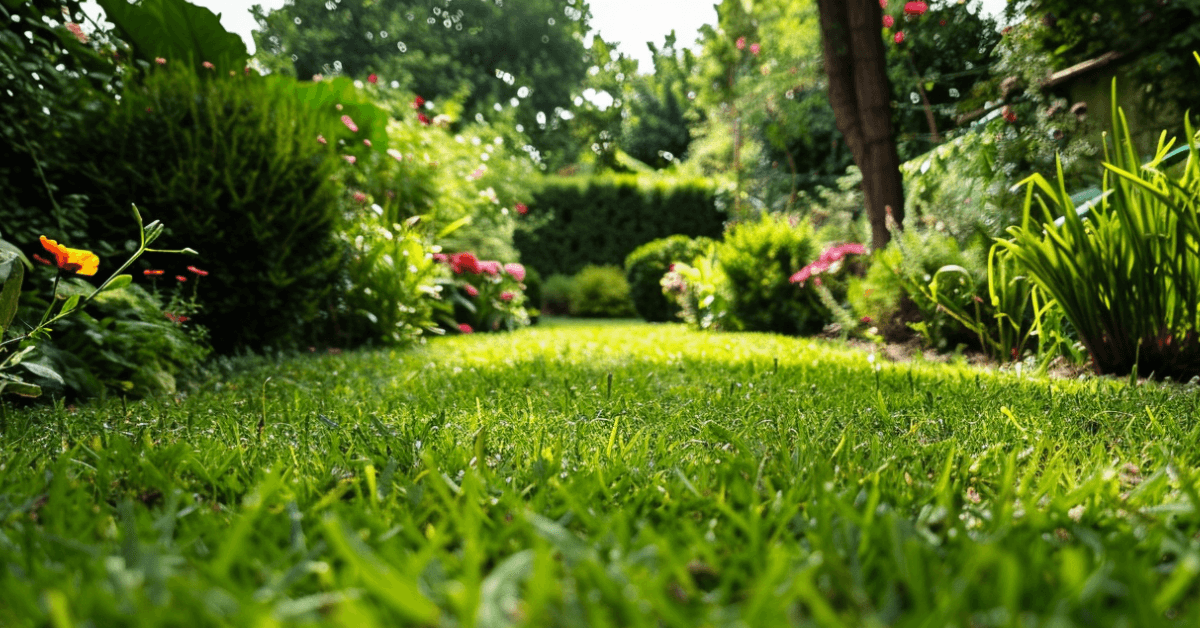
[[599, 221]]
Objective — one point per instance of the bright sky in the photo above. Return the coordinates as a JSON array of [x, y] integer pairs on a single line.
[[632, 23]]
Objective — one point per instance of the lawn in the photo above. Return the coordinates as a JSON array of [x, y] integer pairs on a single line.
[[607, 475]]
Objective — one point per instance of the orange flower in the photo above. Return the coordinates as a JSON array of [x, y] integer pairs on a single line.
[[72, 260]]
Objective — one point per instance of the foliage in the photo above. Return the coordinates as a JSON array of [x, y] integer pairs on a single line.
[[700, 290], [600, 292], [646, 265], [556, 294], [136, 317], [178, 31], [656, 130], [486, 295], [40, 114], [1127, 275], [463, 54], [234, 166], [779, 441], [759, 257], [601, 220]]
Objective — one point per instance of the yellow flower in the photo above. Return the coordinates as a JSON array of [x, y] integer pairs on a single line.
[[72, 260]]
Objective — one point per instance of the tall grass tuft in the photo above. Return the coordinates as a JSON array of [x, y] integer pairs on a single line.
[[1127, 274]]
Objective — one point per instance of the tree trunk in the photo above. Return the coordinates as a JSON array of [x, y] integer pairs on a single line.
[[859, 93]]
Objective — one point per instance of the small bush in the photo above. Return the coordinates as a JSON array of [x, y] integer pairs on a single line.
[[556, 295], [759, 257], [601, 292], [645, 267]]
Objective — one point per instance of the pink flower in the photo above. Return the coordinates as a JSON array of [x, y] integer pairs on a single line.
[[321, 139], [1010, 116], [77, 31], [418, 102], [507, 296], [367, 143], [888, 21], [180, 278], [754, 48], [359, 197], [522, 208], [349, 124], [197, 272], [373, 78], [423, 118], [465, 328], [395, 154], [828, 258], [915, 8], [741, 43], [160, 60], [899, 37], [491, 267], [883, 4], [317, 78], [441, 258], [516, 271], [208, 65], [350, 158], [471, 290]]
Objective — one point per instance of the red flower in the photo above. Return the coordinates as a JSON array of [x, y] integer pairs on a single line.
[[441, 258], [755, 48], [522, 208], [423, 118], [883, 4], [41, 260], [373, 78], [507, 296], [207, 65], [1010, 116], [915, 8], [465, 328], [349, 124], [464, 262], [472, 291], [516, 271], [899, 37], [180, 278], [176, 318], [941, 22], [197, 272], [152, 273], [418, 102], [360, 197], [888, 21], [866, 319]]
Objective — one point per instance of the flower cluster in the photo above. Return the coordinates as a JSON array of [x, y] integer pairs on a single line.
[[826, 261], [491, 294]]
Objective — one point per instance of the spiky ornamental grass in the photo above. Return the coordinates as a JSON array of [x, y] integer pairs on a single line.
[[607, 475]]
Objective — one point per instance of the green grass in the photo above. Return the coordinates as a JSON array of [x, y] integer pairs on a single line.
[[493, 480]]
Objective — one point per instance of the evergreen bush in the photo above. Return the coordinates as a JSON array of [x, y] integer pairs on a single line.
[[645, 267], [601, 292], [601, 220]]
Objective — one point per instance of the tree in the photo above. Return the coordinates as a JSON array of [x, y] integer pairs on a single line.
[[856, 64], [496, 59]]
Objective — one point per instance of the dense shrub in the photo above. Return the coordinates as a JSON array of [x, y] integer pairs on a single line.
[[700, 290], [759, 257], [485, 295], [645, 267], [601, 220], [233, 167], [556, 295], [600, 291]]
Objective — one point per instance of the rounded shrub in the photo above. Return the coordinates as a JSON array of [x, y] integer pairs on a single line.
[[759, 257], [556, 294], [645, 267], [234, 169], [600, 292]]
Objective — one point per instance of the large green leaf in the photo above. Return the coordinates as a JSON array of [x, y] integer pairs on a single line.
[[10, 294], [176, 31]]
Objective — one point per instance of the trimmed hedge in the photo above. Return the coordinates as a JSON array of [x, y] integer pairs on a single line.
[[599, 221]]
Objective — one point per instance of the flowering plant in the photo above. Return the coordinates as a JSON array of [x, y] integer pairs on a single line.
[[486, 295], [15, 348]]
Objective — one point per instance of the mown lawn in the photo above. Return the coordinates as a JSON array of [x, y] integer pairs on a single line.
[[607, 475]]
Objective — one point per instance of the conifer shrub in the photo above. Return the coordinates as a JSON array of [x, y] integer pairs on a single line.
[[234, 167]]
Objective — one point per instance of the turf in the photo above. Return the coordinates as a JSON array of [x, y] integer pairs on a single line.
[[607, 475]]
